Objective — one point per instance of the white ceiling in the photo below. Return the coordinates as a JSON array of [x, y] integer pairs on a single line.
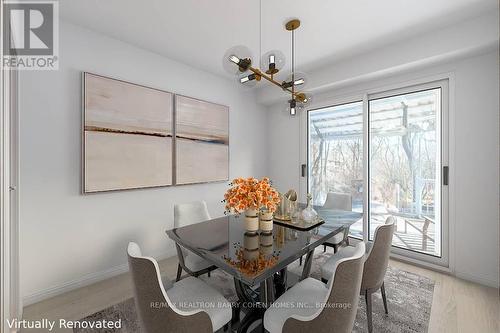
[[198, 32]]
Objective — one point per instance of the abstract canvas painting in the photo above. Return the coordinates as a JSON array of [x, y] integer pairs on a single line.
[[127, 135], [202, 141]]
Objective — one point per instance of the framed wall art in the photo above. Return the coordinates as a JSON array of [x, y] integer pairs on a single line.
[[202, 141], [128, 135]]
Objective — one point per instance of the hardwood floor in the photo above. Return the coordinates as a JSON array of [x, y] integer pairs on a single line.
[[457, 306]]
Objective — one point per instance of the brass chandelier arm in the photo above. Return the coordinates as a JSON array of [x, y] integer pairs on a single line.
[[300, 96], [245, 64]]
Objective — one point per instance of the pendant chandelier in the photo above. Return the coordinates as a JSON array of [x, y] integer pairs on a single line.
[[237, 60]]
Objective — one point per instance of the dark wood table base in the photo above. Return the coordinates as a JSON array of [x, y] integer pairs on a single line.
[[254, 303]]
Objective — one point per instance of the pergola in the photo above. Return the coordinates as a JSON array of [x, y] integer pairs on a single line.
[[345, 123]]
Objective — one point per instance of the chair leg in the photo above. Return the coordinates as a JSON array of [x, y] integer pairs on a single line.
[[236, 310], [208, 273], [368, 299], [179, 272], [324, 248], [300, 261], [382, 290]]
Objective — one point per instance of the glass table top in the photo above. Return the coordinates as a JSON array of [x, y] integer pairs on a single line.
[[253, 257]]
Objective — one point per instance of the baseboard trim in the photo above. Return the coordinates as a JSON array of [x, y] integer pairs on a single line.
[[84, 281], [420, 263], [485, 281]]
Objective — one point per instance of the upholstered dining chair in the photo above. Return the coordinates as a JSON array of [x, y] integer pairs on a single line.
[[189, 305], [340, 201], [323, 308], [186, 214], [377, 260]]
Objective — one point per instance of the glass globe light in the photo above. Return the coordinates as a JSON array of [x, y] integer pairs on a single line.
[[233, 56], [301, 81], [300, 102], [292, 107], [248, 79], [272, 62], [304, 99]]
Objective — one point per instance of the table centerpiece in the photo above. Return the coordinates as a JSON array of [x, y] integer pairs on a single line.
[[253, 197]]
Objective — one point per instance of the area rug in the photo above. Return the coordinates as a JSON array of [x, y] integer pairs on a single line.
[[409, 298]]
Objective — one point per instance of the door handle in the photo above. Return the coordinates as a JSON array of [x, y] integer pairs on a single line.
[[446, 171], [303, 170]]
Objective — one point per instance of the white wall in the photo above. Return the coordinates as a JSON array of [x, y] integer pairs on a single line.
[[474, 166], [68, 239]]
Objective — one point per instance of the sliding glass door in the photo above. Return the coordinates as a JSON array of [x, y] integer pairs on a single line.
[[403, 166], [335, 152]]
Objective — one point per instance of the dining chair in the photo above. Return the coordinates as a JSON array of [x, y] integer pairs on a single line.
[[377, 260], [312, 306], [187, 214], [340, 201], [189, 305]]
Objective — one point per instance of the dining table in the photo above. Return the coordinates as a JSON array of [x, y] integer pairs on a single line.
[[258, 261]]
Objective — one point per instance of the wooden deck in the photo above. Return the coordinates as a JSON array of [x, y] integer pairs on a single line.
[[416, 234]]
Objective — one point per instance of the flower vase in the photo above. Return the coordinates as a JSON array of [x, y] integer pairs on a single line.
[[251, 220], [250, 246], [266, 244], [266, 221]]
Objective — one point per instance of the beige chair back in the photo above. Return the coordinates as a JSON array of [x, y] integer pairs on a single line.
[[342, 301], [190, 213], [156, 312], [378, 257], [340, 201], [187, 214]]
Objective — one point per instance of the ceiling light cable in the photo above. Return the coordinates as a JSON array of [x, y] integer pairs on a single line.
[[260, 32]]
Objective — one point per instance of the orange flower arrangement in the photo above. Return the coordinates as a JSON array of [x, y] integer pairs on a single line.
[[251, 193]]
